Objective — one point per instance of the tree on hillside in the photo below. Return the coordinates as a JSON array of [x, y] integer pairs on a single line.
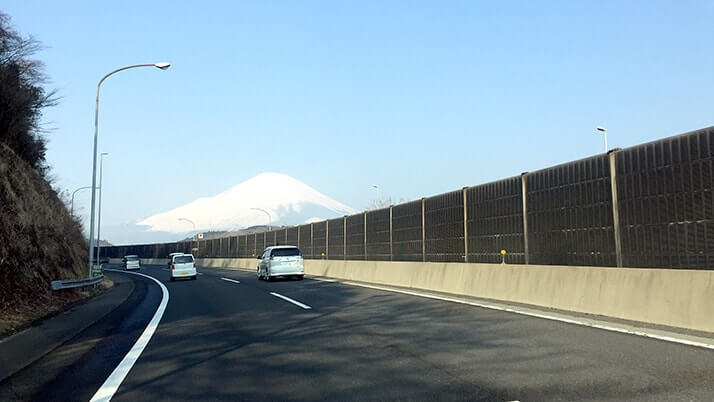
[[22, 96]]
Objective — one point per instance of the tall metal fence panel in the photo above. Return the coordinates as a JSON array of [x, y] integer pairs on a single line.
[[444, 227], [225, 247], [378, 238], [259, 243], [270, 238], [569, 210], [651, 205], [355, 237], [250, 245], [407, 232], [305, 243], [233, 246], [666, 202], [242, 246], [495, 222], [319, 239], [293, 236], [336, 239]]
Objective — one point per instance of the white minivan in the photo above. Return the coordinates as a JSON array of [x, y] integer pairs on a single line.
[[183, 266], [281, 261], [131, 262]]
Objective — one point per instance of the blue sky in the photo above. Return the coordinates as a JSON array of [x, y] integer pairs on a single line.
[[418, 97]]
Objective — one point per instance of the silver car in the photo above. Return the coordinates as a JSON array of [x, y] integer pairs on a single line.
[[183, 266], [131, 262], [281, 261]]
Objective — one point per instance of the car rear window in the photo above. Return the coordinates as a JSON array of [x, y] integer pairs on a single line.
[[182, 259], [285, 252], [132, 258]]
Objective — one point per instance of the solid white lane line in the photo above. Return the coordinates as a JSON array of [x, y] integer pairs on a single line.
[[112, 383], [230, 280], [287, 299], [604, 326]]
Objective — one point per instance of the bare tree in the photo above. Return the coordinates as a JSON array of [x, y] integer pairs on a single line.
[[22, 96], [379, 203]]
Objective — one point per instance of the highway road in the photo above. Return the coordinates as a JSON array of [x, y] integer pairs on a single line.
[[228, 336]]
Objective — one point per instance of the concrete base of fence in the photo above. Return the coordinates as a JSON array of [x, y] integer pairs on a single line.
[[671, 297]]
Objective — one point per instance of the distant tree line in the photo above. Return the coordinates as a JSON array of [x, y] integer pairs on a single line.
[[22, 96]]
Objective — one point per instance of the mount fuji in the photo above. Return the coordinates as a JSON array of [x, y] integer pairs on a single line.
[[289, 202]]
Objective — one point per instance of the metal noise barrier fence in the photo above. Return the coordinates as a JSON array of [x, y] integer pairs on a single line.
[[651, 205]]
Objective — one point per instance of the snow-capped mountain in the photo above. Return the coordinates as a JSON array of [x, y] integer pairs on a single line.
[[288, 201]]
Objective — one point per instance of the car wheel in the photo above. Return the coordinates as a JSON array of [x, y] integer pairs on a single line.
[[299, 277], [173, 279], [194, 277]]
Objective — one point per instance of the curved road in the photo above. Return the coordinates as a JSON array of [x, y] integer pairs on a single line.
[[228, 336]]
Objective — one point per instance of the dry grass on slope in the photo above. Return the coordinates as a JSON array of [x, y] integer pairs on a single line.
[[39, 242]]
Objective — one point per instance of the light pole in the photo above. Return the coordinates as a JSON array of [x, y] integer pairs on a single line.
[[71, 211], [377, 201], [191, 222], [162, 66], [603, 130], [270, 219], [99, 217], [194, 233]]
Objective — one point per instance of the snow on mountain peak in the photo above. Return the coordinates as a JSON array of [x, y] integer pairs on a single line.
[[284, 197]]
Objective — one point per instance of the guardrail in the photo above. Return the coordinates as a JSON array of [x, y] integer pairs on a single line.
[[69, 284]]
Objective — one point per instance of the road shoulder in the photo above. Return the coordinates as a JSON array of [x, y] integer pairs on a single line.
[[23, 348]]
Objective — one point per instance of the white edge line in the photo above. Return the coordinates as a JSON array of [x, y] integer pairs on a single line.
[[537, 315], [230, 280], [295, 302], [112, 383]]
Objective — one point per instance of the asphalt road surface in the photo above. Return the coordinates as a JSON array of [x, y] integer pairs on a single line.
[[244, 339]]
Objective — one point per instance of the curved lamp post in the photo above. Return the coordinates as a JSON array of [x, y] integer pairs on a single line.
[[270, 218], [162, 66], [603, 130], [73, 193], [191, 222], [194, 233]]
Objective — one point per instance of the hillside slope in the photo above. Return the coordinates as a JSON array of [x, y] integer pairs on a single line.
[[39, 242]]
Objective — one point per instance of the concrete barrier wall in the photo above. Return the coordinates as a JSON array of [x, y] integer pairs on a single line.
[[677, 298]]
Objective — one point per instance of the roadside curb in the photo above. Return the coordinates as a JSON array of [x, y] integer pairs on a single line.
[[31, 344]]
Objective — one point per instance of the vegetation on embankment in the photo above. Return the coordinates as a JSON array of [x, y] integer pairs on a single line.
[[39, 240]]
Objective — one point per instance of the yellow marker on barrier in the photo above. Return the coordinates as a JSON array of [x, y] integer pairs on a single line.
[[503, 256]]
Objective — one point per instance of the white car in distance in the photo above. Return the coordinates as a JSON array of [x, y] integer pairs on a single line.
[[281, 261], [131, 262], [183, 266]]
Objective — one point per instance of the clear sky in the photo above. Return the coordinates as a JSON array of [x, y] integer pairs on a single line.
[[418, 97]]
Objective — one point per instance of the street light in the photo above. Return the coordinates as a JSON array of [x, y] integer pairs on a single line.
[[99, 217], [195, 234], [270, 219], [191, 222], [71, 211], [603, 130], [162, 66]]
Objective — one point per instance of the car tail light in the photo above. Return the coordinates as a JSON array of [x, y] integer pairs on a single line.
[[172, 266], [194, 265]]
